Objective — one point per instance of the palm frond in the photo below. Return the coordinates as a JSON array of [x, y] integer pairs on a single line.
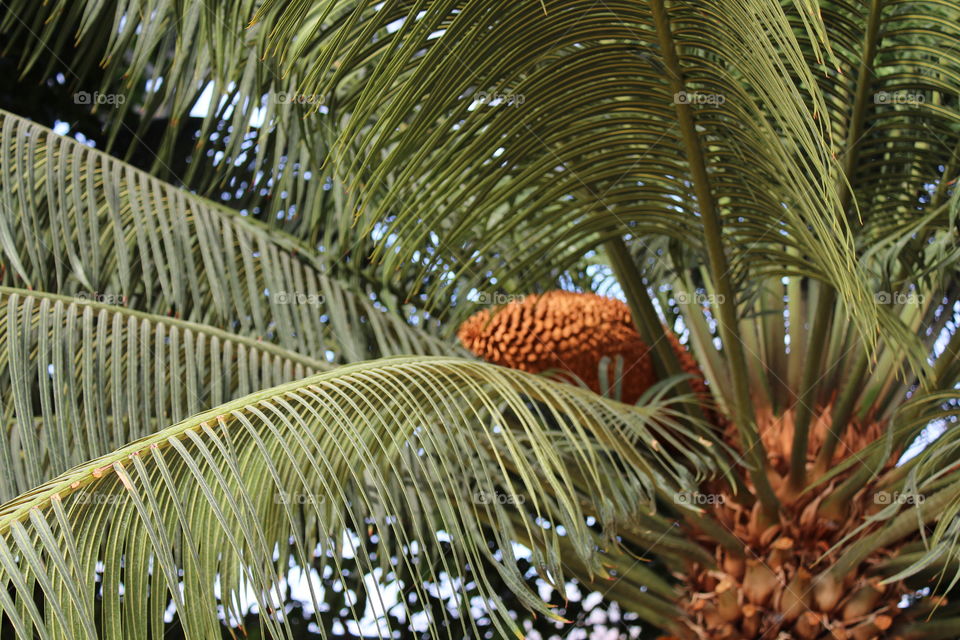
[[935, 469], [157, 63], [907, 141], [102, 376], [75, 220], [402, 446], [607, 130], [920, 497]]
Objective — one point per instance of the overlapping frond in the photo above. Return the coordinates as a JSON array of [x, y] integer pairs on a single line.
[[908, 138], [79, 379], [776, 339], [917, 500], [929, 490], [73, 219], [156, 63], [230, 499], [564, 132]]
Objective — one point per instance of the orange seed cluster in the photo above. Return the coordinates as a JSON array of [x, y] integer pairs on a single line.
[[568, 332]]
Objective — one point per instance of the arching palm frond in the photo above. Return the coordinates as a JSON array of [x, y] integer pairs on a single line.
[[404, 446], [104, 375], [921, 495], [73, 219], [584, 141], [158, 63]]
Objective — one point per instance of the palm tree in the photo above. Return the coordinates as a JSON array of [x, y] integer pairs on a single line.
[[202, 402]]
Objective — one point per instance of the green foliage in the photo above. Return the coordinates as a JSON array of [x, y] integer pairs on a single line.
[[783, 174]]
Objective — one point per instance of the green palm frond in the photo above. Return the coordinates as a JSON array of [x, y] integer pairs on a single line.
[[75, 220], [104, 375], [907, 147], [155, 61], [403, 445], [777, 181], [933, 472], [595, 148], [920, 496], [775, 372]]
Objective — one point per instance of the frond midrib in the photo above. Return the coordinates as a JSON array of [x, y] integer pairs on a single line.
[[196, 327]]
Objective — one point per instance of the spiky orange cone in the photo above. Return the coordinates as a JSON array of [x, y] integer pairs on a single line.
[[570, 333]]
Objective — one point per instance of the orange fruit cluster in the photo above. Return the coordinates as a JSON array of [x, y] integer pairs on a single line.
[[570, 333]]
